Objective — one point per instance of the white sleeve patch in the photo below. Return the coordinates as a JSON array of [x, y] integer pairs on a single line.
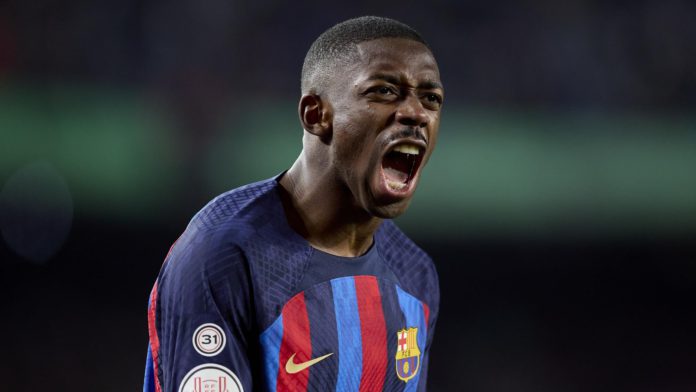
[[210, 377], [209, 339]]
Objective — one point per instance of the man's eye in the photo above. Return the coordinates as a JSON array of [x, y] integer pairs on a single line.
[[434, 98], [382, 93]]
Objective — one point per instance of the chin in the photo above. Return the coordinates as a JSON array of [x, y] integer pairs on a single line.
[[389, 211]]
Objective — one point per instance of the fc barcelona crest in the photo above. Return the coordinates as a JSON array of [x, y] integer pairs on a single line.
[[407, 354]]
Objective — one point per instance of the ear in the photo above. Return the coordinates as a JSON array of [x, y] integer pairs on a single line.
[[315, 115]]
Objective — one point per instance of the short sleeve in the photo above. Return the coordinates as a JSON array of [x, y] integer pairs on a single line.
[[200, 318]]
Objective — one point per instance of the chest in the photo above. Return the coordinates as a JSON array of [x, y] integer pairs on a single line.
[[348, 333]]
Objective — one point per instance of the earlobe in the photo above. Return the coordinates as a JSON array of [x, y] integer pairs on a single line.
[[315, 115]]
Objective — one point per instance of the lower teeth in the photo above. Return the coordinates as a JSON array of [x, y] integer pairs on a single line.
[[396, 185]]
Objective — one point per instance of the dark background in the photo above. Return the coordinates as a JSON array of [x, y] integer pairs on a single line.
[[560, 206]]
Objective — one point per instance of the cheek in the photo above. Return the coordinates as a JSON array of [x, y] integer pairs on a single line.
[[350, 148], [354, 133], [434, 130]]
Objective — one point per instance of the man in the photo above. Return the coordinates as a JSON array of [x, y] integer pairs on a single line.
[[301, 282]]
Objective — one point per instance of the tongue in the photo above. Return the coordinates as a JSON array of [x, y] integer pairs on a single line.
[[397, 167], [395, 175]]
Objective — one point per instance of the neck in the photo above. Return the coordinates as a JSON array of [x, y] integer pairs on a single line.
[[323, 212]]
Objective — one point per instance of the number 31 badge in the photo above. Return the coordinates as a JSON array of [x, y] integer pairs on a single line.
[[209, 339]]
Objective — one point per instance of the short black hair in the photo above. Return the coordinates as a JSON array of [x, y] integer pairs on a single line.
[[339, 42]]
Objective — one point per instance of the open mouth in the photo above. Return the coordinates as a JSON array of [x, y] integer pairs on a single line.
[[401, 164]]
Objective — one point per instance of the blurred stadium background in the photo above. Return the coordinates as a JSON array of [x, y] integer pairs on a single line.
[[560, 204]]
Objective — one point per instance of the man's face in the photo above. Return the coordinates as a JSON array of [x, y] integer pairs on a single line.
[[386, 109]]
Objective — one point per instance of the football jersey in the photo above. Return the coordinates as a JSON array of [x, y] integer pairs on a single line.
[[244, 303]]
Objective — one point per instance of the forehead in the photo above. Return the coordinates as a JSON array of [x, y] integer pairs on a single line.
[[403, 57]]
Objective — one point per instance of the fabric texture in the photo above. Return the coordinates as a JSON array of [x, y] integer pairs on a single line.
[[243, 302]]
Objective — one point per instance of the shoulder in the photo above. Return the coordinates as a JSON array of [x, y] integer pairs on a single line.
[[412, 266], [214, 238], [236, 208], [239, 241]]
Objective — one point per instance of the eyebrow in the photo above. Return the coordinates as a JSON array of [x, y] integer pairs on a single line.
[[430, 85], [427, 85], [386, 77]]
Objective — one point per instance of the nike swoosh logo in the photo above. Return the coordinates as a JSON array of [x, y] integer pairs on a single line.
[[292, 367]]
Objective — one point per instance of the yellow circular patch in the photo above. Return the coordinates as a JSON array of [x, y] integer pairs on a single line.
[[406, 367]]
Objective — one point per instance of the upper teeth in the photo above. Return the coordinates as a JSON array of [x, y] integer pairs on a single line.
[[407, 149]]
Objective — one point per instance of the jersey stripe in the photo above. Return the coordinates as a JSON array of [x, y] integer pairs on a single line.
[[322, 319], [395, 322], [413, 311], [296, 340], [374, 333], [270, 343], [426, 313], [348, 331], [154, 338]]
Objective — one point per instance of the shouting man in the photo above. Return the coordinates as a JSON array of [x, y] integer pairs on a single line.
[[302, 282]]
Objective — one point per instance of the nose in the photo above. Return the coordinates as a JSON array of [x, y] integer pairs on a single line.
[[412, 113]]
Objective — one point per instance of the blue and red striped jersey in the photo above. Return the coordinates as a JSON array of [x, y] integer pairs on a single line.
[[243, 303]]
